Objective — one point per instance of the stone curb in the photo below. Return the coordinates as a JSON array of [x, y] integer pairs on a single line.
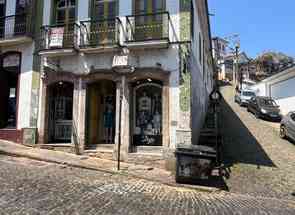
[[113, 172]]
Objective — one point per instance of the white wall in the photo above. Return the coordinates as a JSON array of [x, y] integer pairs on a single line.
[[260, 89], [281, 88], [286, 104], [199, 90]]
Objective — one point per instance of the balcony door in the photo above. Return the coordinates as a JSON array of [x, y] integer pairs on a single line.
[[148, 20], [103, 24], [2, 14], [21, 15], [64, 16]]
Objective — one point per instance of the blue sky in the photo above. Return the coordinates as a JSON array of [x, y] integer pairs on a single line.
[[261, 24]]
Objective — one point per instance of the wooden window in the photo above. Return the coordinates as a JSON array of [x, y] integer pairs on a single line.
[[104, 9], [64, 11], [149, 6]]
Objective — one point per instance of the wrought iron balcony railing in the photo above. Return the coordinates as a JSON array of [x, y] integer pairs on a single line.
[[59, 36], [147, 27], [16, 25], [99, 33]]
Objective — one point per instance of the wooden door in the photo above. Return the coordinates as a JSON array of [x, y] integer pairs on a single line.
[[65, 16]]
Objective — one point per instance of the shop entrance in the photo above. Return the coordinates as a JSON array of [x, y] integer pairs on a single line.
[[101, 109], [60, 112], [147, 113]]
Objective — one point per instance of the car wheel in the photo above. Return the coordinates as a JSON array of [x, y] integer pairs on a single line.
[[283, 132]]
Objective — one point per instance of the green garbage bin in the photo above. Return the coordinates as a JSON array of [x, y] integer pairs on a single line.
[[194, 164]]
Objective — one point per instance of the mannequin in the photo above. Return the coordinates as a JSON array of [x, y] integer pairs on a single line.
[[157, 123], [108, 123]]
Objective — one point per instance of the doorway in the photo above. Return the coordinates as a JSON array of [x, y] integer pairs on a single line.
[[60, 106], [147, 113], [101, 109]]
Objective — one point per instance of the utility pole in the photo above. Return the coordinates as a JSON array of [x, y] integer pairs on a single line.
[[236, 67]]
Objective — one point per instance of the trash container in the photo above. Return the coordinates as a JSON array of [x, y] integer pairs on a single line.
[[194, 164]]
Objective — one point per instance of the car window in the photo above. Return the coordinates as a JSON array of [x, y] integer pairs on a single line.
[[247, 93], [267, 102]]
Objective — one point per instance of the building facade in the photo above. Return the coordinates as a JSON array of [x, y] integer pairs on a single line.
[[280, 87], [114, 72], [19, 77]]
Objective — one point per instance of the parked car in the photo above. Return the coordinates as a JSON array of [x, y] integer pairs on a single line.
[[287, 128], [264, 107], [243, 97]]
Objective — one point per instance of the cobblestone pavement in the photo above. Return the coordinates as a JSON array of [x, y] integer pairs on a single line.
[[259, 162], [34, 187]]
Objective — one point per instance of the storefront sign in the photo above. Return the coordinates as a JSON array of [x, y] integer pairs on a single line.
[[56, 37], [12, 60], [120, 61]]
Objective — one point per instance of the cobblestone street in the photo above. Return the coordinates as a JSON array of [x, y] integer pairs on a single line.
[[34, 187], [259, 162]]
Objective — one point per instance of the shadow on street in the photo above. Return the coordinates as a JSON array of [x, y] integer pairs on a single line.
[[239, 145]]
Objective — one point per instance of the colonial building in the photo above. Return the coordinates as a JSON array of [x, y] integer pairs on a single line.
[[18, 77], [134, 73]]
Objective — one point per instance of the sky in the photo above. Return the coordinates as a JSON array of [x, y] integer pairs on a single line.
[[263, 25]]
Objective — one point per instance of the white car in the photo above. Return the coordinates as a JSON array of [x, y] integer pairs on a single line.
[[243, 97]]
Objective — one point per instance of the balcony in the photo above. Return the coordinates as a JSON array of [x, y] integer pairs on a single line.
[[100, 35], [15, 30], [59, 40], [148, 30]]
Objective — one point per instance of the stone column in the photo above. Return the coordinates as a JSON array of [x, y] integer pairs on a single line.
[[42, 106], [42, 116], [79, 116], [122, 85]]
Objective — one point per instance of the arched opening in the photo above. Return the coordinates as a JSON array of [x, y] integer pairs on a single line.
[[101, 110], [60, 117], [147, 113], [9, 79]]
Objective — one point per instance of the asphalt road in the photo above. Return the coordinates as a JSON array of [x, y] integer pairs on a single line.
[[33, 187]]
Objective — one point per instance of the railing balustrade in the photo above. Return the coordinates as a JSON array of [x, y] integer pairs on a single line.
[[16, 25], [145, 27], [96, 33], [59, 36]]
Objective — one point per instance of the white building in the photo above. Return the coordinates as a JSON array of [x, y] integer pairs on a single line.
[[280, 87], [18, 79]]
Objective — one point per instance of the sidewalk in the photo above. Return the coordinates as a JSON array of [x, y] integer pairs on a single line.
[[97, 164]]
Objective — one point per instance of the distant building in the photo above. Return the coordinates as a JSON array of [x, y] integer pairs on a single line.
[[280, 87]]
